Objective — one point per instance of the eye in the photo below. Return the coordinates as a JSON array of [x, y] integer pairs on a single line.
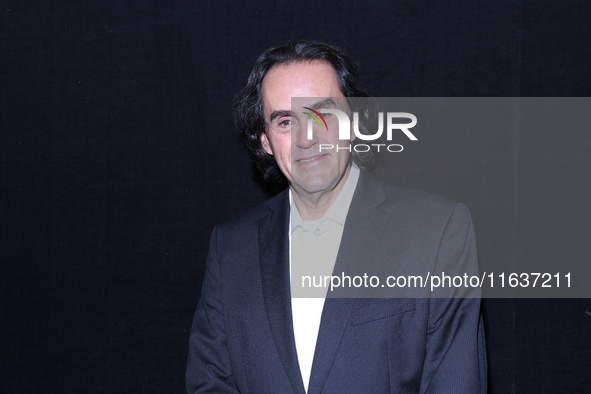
[[283, 123]]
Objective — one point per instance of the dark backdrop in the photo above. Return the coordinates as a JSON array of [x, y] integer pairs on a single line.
[[119, 154]]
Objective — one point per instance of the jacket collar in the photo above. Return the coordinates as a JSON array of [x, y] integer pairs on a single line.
[[365, 222], [274, 265]]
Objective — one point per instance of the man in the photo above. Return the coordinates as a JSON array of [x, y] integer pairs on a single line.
[[250, 336]]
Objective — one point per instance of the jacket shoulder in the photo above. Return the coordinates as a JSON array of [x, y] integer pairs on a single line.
[[252, 216], [418, 198], [395, 198]]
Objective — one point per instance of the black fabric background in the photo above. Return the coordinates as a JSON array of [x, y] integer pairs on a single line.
[[119, 155]]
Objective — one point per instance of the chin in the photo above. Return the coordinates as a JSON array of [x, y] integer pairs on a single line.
[[317, 184]]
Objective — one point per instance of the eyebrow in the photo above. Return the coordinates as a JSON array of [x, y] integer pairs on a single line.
[[278, 114], [324, 103], [320, 104]]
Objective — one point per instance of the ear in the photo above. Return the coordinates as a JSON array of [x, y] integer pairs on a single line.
[[265, 143]]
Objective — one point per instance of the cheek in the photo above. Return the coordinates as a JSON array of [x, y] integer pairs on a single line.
[[283, 145], [285, 152]]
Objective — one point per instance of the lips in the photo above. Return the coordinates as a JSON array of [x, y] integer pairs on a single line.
[[309, 159]]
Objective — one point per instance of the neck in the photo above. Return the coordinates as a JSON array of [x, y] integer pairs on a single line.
[[312, 206]]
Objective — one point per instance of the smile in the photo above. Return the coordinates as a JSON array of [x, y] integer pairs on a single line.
[[310, 159]]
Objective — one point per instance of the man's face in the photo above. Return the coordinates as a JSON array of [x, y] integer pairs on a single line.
[[308, 169]]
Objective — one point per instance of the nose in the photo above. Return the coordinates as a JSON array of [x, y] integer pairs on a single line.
[[305, 134]]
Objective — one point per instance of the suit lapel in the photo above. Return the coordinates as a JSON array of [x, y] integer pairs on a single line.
[[274, 264], [365, 222]]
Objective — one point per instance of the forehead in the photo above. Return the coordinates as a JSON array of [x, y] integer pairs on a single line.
[[300, 79]]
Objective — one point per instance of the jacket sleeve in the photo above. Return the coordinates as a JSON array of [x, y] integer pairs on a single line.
[[208, 366], [455, 360]]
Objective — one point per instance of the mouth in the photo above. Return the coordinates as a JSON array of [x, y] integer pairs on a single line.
[[307, 160]]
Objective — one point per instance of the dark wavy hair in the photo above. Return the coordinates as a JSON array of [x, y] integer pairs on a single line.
[[248, 108]]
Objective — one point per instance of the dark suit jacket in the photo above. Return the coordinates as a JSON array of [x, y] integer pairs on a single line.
[[242, 337]]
